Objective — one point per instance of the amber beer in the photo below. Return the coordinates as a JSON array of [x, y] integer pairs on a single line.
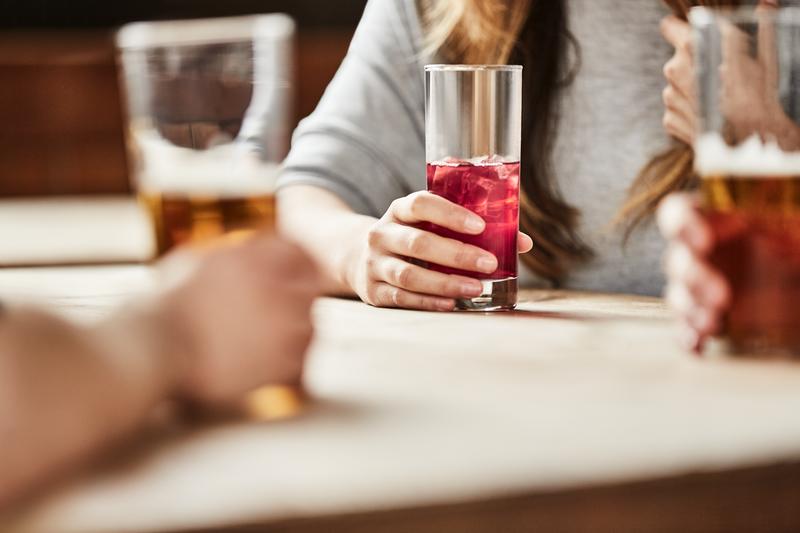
[[201, 219], [756, 220]]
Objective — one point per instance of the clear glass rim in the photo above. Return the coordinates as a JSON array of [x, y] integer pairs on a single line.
[[190, 33], [704, 16], [471, 68]]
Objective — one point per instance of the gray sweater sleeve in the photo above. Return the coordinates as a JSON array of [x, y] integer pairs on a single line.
[[365, 140]]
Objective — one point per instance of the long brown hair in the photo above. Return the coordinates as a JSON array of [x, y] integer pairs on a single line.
[[535, 33]]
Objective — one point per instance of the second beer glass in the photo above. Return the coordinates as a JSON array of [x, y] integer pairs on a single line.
[[473, 143], [748, 158], [208, 103]]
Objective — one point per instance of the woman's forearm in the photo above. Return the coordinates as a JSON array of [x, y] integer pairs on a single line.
[[328, 230], [67, 391]]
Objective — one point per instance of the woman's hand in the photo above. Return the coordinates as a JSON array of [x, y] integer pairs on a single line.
[[749, 96], [680, 116], [385, 276], [243, 319], [696, 291]]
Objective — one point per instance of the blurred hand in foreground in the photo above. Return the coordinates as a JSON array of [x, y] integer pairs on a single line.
[[243, 319], [239, 319], [696, 291]]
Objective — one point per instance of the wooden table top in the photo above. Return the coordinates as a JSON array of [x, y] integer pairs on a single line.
[[579, 412]]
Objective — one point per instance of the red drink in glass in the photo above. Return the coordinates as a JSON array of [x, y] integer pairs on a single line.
[[491, 190], [473, 146]]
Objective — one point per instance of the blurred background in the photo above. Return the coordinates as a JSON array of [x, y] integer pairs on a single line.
[[61, 127]]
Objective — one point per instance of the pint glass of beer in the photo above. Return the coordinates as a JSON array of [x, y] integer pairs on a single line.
[[747, 155], [208, 105]]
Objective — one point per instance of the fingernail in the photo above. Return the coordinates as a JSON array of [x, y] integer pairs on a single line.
[[475, 224], [471, 288], [487, 264]]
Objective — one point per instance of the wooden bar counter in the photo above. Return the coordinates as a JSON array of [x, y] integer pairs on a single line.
[[578, 412]]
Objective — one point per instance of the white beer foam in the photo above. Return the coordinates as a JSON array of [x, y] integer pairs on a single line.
[[751, 158], [230, 170]]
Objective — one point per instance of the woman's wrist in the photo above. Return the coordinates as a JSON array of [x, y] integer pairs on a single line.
[[347, 264]]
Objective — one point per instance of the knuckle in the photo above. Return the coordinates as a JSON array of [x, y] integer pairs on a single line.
[[416, 204], [396, 206], [663, 25], [683, 266], [670, 70], [669, 122], [372, 263], [372, 295], [417, 244], [428, 304], [374, 236], [668, 96], [404, 275], [666, 220], [674, 261], [463, 258], [395, 296], [679, 299]]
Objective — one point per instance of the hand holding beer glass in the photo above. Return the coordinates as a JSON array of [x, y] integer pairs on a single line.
[[208, 125], [748, 157]]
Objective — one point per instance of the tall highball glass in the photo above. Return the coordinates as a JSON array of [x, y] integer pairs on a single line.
[[473, 144]]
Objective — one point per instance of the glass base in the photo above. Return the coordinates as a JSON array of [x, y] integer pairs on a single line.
[[498, 295]]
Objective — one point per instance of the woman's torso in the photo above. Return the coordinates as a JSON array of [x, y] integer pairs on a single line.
[[610, 125], [365, 141]]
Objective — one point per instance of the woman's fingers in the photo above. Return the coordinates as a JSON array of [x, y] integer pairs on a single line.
[[706, 286], [677, 32], [427, 207], [524, 243], [404, 275], [678, 126], [697, 292], [679, 96], [679, 73], [386, 295], [679, 104], [406, 241], [680, 219], [704, 321]]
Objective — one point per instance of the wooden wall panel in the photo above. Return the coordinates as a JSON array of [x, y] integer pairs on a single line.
[[60, 115], [60, 118]]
